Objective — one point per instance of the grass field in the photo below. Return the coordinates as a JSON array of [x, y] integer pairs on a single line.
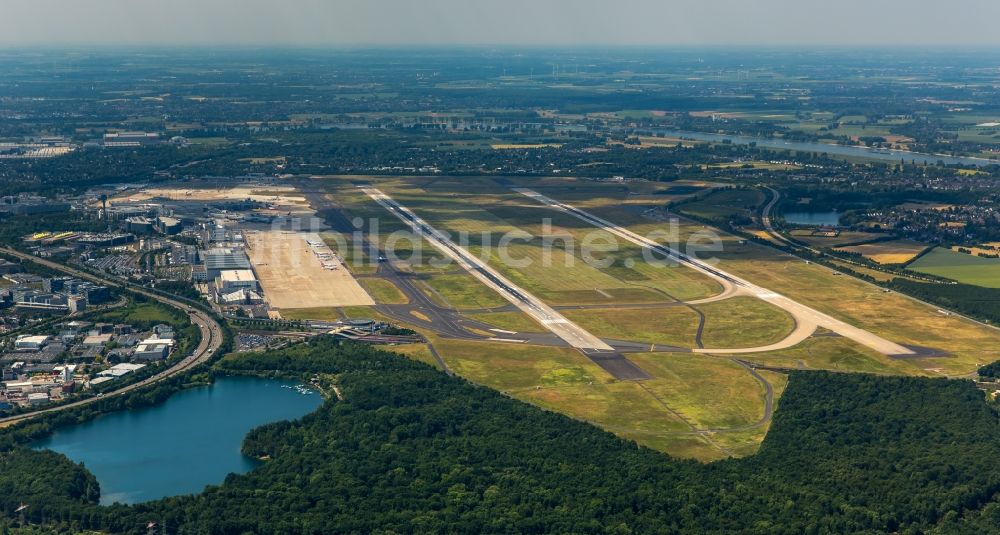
[[889, 315], [961, 267], [834, 354], [676, 325], [509, 321], [461, 291], [383, 291], [686, 390], [888, 252], [743, 322], [708, 392], [555, 255], [145, 312], [418, 352], [724, 204]]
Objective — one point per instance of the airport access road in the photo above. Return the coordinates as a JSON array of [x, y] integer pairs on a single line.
[[211, 337], [806, 318]]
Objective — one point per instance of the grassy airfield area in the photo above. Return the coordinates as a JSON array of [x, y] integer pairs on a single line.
[[698, 406]]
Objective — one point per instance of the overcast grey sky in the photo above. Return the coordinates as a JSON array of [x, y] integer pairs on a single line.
[[848, 22]]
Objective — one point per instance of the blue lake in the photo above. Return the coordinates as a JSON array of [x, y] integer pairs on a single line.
[[183, 444], [824, 219]]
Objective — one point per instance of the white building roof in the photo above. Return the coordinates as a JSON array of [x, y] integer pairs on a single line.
[[97, 339], [119, 370], [26, 339], [157, 342], [237, 275], [241, 295]]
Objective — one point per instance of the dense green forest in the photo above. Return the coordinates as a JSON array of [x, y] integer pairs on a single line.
[[411, 450]]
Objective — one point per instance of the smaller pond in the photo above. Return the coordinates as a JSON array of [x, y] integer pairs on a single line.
[[822, 219], [178, 447]]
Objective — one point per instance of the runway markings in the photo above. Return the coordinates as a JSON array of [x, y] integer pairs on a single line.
[[803, 314], [570, 332]]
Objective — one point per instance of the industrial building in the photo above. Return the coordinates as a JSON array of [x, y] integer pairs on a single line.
[[236, 279], [30, 343], [124, 210], [34, 300], [31, 204], [139, 225], [222, 259], [168, 225], [241, 297], [119, 370], [76, 303], [7, 267], [130, 139], [105, 240], [150, 352]]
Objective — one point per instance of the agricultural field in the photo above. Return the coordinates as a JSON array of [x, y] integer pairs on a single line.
[[888, 252], [965, 268]]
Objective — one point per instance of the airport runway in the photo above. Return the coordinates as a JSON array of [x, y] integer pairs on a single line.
[[806, 318], [593, 347], [562, 327]]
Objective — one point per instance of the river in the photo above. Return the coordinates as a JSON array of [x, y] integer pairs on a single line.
[[837, 150], [181, 445]]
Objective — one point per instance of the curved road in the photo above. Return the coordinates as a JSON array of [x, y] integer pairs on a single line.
[[211, 337]]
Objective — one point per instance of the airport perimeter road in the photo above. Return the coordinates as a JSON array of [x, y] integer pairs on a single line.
[[765, 217], [805, 317], [211, 337], [555, 322]]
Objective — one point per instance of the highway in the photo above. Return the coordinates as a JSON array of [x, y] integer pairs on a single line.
[[211, 337], [806, 318], [555, 322]]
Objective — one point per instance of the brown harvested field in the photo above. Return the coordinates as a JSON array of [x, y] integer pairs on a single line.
[[987, 249], [888, 252], [293, 277]]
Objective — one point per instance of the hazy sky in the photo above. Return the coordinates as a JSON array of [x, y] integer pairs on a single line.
[[849, 22]]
